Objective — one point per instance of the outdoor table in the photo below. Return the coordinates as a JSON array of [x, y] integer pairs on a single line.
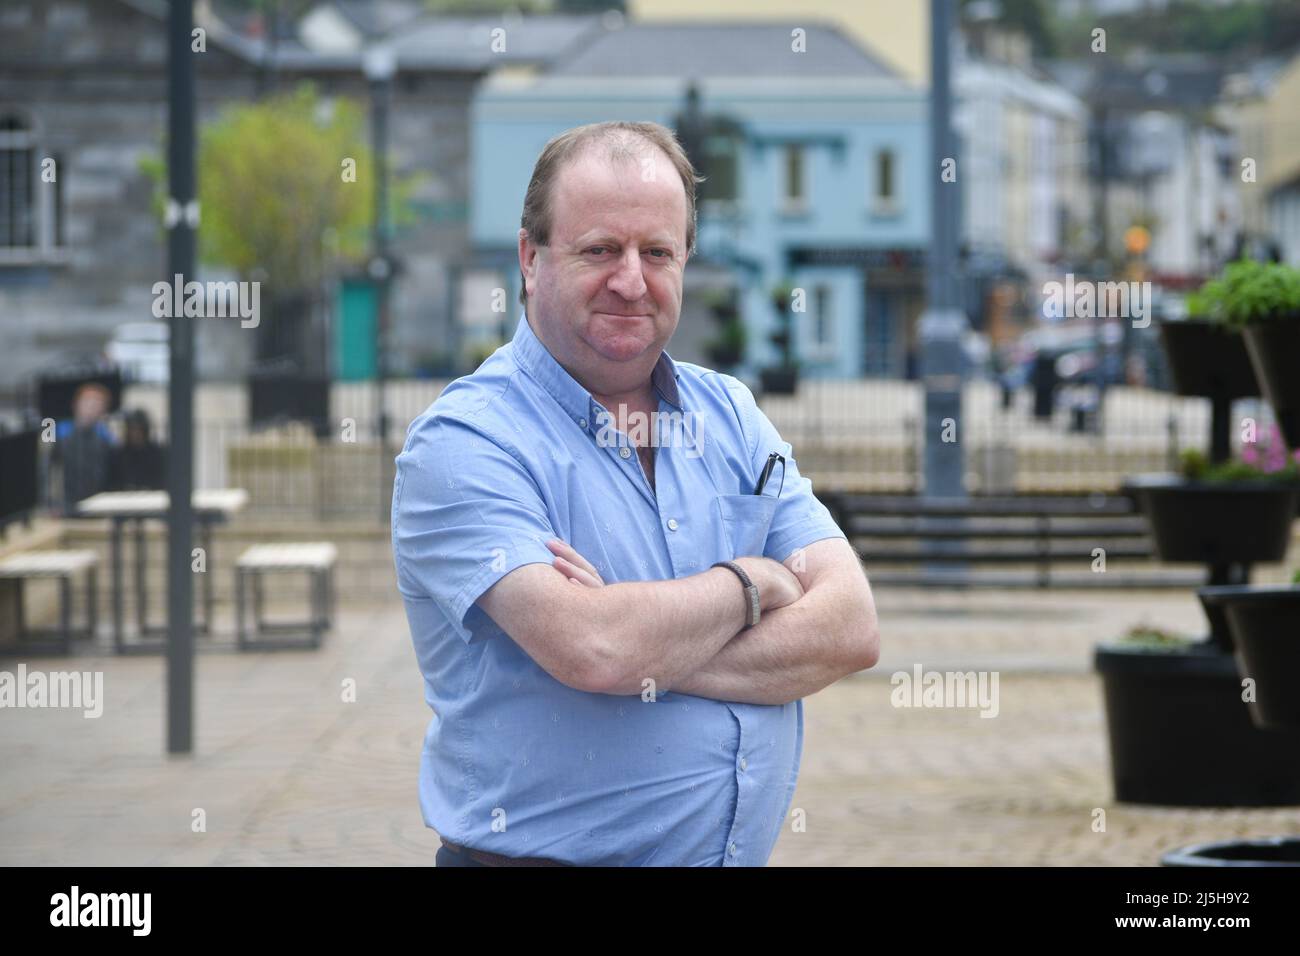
[[211, 506]]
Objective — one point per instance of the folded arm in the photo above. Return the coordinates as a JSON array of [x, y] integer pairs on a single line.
[[798, 649], [613, 638]]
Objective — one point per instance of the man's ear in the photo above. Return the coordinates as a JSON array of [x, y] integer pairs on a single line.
[[527, 259]]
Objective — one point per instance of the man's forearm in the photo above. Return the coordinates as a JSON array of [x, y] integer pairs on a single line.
[[794, 651], [664, 630]]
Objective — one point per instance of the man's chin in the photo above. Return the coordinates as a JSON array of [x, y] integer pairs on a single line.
[[621, 338]]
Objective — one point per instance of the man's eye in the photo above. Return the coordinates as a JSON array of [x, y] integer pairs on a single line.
[[660, 253], [599, 250]]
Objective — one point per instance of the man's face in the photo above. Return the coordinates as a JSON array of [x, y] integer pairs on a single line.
[[605, 295], [89, 408]]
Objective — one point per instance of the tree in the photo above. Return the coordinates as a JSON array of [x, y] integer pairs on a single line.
[[272, 185], [285, 184]]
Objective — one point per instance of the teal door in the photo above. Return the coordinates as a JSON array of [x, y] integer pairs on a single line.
[[354, 332]]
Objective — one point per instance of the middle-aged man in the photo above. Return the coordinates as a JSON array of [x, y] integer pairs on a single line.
[[604, 691]]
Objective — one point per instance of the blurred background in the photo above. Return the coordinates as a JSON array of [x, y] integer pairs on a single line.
[[364, 163], [1126, 162]]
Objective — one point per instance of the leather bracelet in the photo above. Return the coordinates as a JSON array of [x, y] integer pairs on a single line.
[[753, 607]]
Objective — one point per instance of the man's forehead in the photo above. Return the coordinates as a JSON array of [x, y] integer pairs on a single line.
[[604, 193]]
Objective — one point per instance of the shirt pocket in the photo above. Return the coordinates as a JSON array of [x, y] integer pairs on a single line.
[[746, 520]]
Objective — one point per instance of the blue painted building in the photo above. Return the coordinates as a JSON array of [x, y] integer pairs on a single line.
[[815, 154]]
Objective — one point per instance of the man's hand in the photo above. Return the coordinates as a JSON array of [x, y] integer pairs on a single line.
[[777, 584], [802, 647], [573, 565]]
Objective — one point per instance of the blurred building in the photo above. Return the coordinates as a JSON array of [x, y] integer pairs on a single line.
[[813, 163], [83, 83], [1159, 158], [1022, 172], [1024, 162], [1259, 105]]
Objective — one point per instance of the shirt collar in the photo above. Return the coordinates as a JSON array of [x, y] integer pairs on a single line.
[[533, 357]]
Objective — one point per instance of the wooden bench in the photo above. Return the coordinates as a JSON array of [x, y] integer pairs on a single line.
[[317, 559], [942, 538], [61, 566]]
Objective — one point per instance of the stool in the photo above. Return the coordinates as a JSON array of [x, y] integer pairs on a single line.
[[62, 566], [317, 559]]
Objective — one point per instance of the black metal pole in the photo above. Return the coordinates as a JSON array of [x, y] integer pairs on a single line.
[[943, 324], [379, 117], [180, 457]]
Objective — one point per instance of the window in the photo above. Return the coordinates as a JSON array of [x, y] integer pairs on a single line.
[[31, 221], [17, 176], [823, 321], [794, 187], [885, 189], [721, 162]]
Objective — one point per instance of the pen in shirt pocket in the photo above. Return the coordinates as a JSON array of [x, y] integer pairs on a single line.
[[772, 459]]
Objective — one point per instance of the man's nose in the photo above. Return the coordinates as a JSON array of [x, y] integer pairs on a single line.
[[628, 280]]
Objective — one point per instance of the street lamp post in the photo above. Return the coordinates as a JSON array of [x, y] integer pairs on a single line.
[[379, 64], [180, 389], [943, 324]]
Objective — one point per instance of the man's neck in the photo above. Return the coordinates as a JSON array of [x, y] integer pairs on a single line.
[[620, 406], [641, 398]]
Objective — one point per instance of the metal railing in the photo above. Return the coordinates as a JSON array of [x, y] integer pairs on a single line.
[[858, 435]]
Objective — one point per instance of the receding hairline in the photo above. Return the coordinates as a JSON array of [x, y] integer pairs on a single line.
[[616, 146], [631, 151]]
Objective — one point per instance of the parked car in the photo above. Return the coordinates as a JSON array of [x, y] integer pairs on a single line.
[[141, 351]]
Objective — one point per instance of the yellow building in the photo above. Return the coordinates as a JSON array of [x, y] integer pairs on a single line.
[[896, 31]]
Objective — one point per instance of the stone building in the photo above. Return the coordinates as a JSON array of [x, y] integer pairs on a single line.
[[83, 83]]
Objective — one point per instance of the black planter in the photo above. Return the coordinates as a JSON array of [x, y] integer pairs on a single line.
[[778, 381], [1274, 349], [1267, 851], [1216, 523], [725, 356], [1180, 734], [1265, 626], [1220, 632], [1208, 359]]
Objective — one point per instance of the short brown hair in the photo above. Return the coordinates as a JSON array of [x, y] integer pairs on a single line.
[[620, 140]]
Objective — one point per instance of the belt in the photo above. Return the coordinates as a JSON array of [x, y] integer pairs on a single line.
[[496, 859]]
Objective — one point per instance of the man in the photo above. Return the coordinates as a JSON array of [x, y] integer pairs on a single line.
[[84, 447], [141, 465], [598, 695]]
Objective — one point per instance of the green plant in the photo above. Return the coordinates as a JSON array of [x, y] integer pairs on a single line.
[[727, 348], [783, 338], [479, 352], [1295, 578], [1144, 635], [1267, 462], [1207, 301], [1247, 292], [1196, 468]]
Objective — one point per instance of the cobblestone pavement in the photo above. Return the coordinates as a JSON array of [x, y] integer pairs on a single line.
[[286, 772]]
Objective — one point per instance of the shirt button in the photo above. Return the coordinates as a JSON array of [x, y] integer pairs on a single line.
[[625, 452], [731, 848], [582, 422], [743, 763], [672, 524]]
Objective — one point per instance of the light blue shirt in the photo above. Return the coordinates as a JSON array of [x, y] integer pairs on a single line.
[[515, 762]]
